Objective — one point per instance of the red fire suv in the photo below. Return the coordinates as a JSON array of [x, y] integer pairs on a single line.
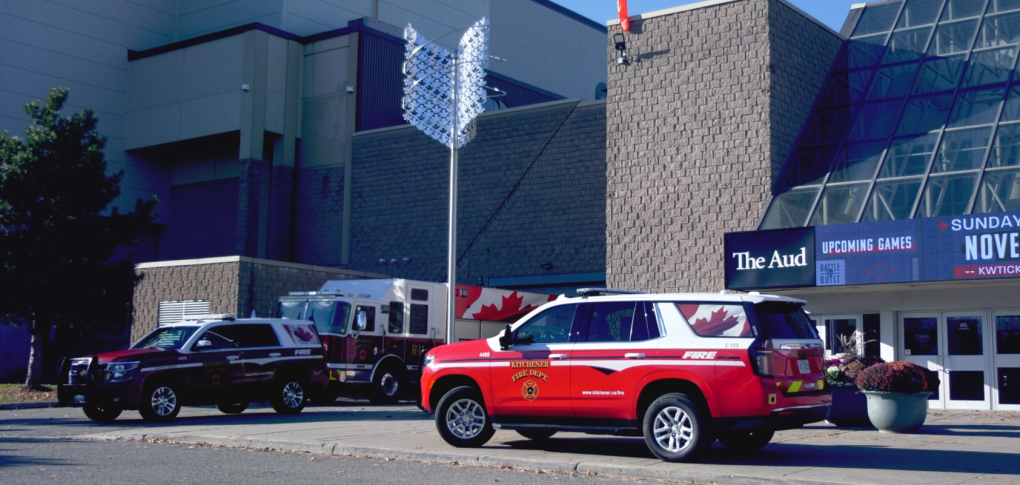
[[680, 369]]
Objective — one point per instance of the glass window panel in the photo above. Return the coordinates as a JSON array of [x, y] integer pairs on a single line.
[[966, 385], [1005, 147], [962, 150], [893, 82], [952, 38], [925, 114], [990, 67], [892, 200], [977, 107], [921, 336], [790, 208], [946, 195], [907, 45], [858, 83], [877, 19], [857, 162], [996, 6], [865, 51], [839, 204], [909, 156], [1009, 385], [1007, 336], [838, 91], [809, 166], [1011, 112], [961, 9], [998, 31], [828, 126], [965, 336], [939, 74], [999, 192], [876, 121], [919, 12]]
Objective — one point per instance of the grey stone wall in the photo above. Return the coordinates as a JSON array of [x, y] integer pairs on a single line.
[[699, 124], [521, 182]]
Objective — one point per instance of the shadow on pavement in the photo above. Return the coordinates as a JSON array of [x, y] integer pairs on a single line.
[[7, 461]]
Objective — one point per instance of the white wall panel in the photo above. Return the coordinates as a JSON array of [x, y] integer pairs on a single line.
[[125, 12], [153, 126], [85, 23], [213, 67], [156, 81], [62, 66], [210, 115], [58, 40], [230, 14], [37, 86]]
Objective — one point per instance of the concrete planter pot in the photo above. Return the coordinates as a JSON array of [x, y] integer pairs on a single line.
[[849, 407], [895, 412]]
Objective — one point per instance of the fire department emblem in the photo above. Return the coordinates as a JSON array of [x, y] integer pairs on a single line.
[[530, 390]]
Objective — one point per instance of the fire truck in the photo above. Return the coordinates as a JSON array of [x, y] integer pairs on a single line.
[[375, 332]]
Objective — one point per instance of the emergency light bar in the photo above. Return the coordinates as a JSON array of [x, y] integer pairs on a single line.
[[607, 291], [212, 316], [327, 293]]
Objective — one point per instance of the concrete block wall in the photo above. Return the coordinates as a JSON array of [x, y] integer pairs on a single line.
[[699, 124]]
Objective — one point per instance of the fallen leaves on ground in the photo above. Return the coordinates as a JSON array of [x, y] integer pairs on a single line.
[[18, 393]]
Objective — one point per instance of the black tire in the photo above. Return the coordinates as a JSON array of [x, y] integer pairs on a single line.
[[232, 408], [388, 384], [746, 440], [462, 419], [102, 414], [289, 396], [536, 434], [677, 429], [159, 402]]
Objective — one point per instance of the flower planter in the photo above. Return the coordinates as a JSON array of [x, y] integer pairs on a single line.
[[849, 407], [895, 412]]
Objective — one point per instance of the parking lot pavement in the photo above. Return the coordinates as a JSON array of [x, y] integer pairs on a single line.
[[952, 447]]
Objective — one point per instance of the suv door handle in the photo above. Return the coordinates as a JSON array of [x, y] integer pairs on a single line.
[[633, 356], [233, 357], [558, 356]]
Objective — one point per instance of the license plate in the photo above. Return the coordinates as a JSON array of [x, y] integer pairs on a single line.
[[79, 399], [804, 366]]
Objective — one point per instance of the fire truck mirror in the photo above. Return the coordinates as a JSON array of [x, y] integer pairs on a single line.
[[362, 321], [506, 338]]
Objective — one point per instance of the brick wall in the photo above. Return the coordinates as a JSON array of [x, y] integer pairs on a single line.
[[232, 285], [318, 215], [203, 220], [699, 124]]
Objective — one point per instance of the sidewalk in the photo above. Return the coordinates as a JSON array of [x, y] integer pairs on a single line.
[[952, 447]]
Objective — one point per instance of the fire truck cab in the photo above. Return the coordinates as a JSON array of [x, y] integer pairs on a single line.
[[403, 319]]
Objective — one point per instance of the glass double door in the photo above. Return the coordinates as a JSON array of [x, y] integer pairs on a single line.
[[957, 346]]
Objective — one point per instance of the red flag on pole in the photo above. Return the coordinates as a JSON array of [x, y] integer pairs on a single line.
[[621, 7]]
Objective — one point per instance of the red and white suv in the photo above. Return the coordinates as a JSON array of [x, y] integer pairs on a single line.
[[680, 369]]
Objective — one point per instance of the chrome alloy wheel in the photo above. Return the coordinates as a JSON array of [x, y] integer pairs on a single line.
[[389, 384], [673, 429], [465, 419], [293, 395], [164, 401]]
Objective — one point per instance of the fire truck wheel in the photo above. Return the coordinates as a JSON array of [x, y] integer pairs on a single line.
[[746, 440], [536, 434], [462, 420], [232, 408], [288, 396], [160, 402], [101, 414], [676, 429], [388, 385]]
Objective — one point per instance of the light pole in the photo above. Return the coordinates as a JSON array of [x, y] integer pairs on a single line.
[[442, 100]]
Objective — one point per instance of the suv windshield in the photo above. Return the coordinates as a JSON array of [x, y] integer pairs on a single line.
[[329, 316], [171, 338], [785, 321]]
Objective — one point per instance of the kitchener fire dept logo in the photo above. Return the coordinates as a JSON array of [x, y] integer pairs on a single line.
[[530, 390]]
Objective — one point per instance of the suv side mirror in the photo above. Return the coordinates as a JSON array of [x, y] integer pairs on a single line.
[[506, 338], [204, 343], [361, 322]]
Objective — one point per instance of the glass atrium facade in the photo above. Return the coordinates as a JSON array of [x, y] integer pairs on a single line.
[[919, 118]]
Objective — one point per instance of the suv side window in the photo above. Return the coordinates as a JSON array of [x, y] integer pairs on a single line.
[[717, 319], [549, 327], [255, 335], [611, 321], [221, 338], [646, 326]]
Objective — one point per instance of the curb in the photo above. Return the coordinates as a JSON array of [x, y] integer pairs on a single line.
[[661, 471], [28, 405]]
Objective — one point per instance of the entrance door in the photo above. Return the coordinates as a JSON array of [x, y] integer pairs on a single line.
[[840, 330], [955, 345], [1006, 392]]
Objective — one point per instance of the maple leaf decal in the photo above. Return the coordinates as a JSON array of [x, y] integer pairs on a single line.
[[716, 324], [302, 333], [509, 310]]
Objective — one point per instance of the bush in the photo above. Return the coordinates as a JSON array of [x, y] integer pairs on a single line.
[[841, 371], [904, 377]]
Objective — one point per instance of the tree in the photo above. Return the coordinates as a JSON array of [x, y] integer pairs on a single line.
[[56, 237]]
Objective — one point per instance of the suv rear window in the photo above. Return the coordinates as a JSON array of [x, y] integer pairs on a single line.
[[717, 319], [785, 321]]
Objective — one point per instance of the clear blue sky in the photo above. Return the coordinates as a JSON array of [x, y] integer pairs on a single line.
[[830, 12]]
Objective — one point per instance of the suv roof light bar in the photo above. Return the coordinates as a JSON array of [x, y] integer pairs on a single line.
[[211, 316], [607, 291], [328, 293]]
